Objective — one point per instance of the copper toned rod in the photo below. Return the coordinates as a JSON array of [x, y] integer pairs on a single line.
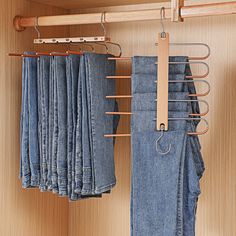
[[118, 77], [74, 53], [118, 113], [116, 135], [22, 55], [119, 96]]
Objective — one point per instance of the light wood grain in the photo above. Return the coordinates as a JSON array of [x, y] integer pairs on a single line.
[[200, 10], [216, 213], [75, 4], [22, 212], [162, 82]]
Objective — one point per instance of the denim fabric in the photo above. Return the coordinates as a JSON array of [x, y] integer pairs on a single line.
[[164, 187], [63, 123], [147, 101], [78, 136], [43, 91], [145, 71], [60, 77], [97, 151], [50, 122], [24, 129], [156, 183], [30, 162], [55, 129], [72, 72]]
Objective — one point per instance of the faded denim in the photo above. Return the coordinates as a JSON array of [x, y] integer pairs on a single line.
[[50, 122], [164, 188], [98, 170], [63, 122], [61, 93], [43, 108], [30, 162], [72, 74]]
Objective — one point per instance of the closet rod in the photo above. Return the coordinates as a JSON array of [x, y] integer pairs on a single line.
[[224, 8]]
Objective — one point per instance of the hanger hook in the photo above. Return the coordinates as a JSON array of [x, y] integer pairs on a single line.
[[36, 27], [157, 141], [104, 45], [103, 20], [119, 47], [162, 13], [90, 46]]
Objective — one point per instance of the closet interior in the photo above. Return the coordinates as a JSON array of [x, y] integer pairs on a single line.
[[133, 27]]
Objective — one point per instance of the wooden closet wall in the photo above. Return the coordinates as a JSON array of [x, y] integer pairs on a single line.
[[31, 213], [23, 212]]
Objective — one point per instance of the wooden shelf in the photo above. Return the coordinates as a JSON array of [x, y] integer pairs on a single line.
[[78, 4]]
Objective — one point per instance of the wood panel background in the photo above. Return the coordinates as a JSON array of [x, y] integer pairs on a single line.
[[23, 212], [216, 213]]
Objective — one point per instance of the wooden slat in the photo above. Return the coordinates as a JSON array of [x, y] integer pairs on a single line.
[[162, 81]]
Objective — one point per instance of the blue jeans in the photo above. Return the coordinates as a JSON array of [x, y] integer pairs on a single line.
[[164, 187], [63, 122], [30, 158], [43, 111], [72, 72], [98, 171], [61, 102]]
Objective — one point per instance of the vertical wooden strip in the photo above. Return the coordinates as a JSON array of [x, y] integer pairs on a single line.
[[162, 81]]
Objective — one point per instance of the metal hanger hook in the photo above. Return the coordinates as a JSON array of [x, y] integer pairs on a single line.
[[162, 13], [36, 25], [103, 20], [161, 152]]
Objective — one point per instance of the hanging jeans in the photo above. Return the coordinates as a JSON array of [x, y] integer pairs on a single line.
[[43, 111], [72, 74], [165, 188], [63, 123], [95, 171], [30, 157]]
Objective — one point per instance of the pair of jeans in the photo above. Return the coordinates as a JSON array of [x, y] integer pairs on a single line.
[[95, 169], [30, 153], [43, 73], [164, 187], [51, 95]]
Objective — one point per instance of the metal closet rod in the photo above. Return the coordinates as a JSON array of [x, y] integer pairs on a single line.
[[212, 9]]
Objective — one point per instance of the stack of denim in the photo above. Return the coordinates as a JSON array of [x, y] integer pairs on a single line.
[[63, 122], [165, 188]]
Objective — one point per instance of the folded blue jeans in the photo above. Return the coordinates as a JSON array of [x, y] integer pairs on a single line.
[[43, 108], [72, 75], [30, 153], [98, 170]]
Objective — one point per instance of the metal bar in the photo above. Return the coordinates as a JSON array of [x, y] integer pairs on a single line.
[[71, 40]]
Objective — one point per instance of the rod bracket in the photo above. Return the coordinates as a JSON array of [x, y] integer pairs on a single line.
[[176, 10], [17, 23]]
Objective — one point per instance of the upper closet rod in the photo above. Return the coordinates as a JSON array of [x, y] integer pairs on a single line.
[[211, 9]]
